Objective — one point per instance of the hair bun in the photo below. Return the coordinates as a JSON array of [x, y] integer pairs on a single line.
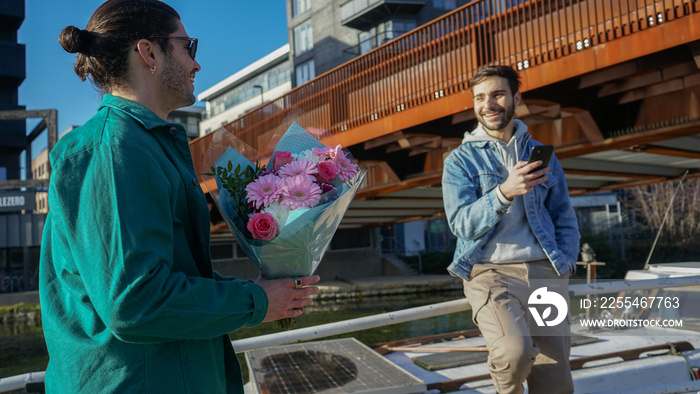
[[75, 40]]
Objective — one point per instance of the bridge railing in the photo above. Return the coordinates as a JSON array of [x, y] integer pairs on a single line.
[[438, 59]]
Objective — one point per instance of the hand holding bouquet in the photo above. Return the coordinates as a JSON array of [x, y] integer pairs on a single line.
[[284, 214]]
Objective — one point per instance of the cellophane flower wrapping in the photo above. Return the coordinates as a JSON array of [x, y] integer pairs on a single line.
[[302, 241]]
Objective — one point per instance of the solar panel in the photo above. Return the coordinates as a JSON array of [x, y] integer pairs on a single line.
[[333, 366]]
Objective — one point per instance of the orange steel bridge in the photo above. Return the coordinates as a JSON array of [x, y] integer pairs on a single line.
[[614, 85]]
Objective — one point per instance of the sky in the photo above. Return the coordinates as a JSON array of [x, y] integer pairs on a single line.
[[232, 34]]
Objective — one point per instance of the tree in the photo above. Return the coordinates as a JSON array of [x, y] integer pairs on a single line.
[[681, 230]]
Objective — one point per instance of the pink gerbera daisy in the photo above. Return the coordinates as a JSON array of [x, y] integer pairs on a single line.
[[346, 168], [303, 167], [264, 191], [300, 192], [327, 152]]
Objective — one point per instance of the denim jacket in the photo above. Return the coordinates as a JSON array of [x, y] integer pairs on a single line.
[[470, 178]]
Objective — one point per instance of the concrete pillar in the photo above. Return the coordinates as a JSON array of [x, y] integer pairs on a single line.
[[414, 237]]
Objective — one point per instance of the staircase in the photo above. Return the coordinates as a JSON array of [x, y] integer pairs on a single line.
[[395, 266]]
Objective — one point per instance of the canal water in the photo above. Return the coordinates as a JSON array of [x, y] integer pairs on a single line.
[[22, 347]]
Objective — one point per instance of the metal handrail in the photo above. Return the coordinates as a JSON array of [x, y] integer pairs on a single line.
[[385, 319]]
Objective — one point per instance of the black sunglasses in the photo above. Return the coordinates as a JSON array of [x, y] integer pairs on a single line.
[[192, 47]]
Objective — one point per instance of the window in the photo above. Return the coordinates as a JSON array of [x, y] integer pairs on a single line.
[[445, 4], [399, 27], [366, 42], [299, 6], [305, 72], [246, 91], [438, 235], [384, 32], [3, 173], [192, 127], [351, 240], [303, 38]]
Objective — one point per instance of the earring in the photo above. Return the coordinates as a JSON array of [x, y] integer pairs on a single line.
[[153, 69]]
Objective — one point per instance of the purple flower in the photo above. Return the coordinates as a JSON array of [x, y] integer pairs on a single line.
[[326, 187]]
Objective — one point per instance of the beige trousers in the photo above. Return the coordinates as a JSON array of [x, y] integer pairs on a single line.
[[519, 349]]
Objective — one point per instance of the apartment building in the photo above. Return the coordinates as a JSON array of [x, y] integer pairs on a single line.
[[264, 80], [324, 34], [189, 117], [13, 134]]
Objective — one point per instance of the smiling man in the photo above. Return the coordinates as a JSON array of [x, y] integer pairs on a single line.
[[515, 228], [129, 300]]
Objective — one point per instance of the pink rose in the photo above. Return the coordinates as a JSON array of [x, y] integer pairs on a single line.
[[326, 172], [262, 226], [281, 158]]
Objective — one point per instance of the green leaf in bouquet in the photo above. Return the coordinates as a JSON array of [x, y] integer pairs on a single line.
[[235, 180]]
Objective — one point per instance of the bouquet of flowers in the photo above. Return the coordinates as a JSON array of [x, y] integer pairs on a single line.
[[284, 214]]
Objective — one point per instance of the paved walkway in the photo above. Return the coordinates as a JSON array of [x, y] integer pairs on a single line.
[[364, 287], [25, 297]]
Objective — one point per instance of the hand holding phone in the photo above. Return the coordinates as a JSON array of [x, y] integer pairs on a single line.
[[517, 185], [543, 153]]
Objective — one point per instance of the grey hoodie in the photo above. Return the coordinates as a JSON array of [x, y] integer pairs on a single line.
[[512, 240]]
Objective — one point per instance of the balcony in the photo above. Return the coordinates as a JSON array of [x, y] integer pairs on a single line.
[[363, 14], [373, 42]]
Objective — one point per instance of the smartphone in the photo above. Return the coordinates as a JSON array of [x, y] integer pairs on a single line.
[[541, 152]]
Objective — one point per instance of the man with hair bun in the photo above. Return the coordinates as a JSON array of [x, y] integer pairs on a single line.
[[130, 302]]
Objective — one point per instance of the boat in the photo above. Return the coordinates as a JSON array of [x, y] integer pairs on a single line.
[[618, 358]]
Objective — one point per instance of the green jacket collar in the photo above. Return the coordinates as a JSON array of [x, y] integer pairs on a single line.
[[141, 114]]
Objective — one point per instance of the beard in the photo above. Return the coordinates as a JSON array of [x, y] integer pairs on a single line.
[[507, 115], [177, 87]]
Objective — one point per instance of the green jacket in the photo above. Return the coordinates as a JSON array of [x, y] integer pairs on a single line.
[[129, 300]]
